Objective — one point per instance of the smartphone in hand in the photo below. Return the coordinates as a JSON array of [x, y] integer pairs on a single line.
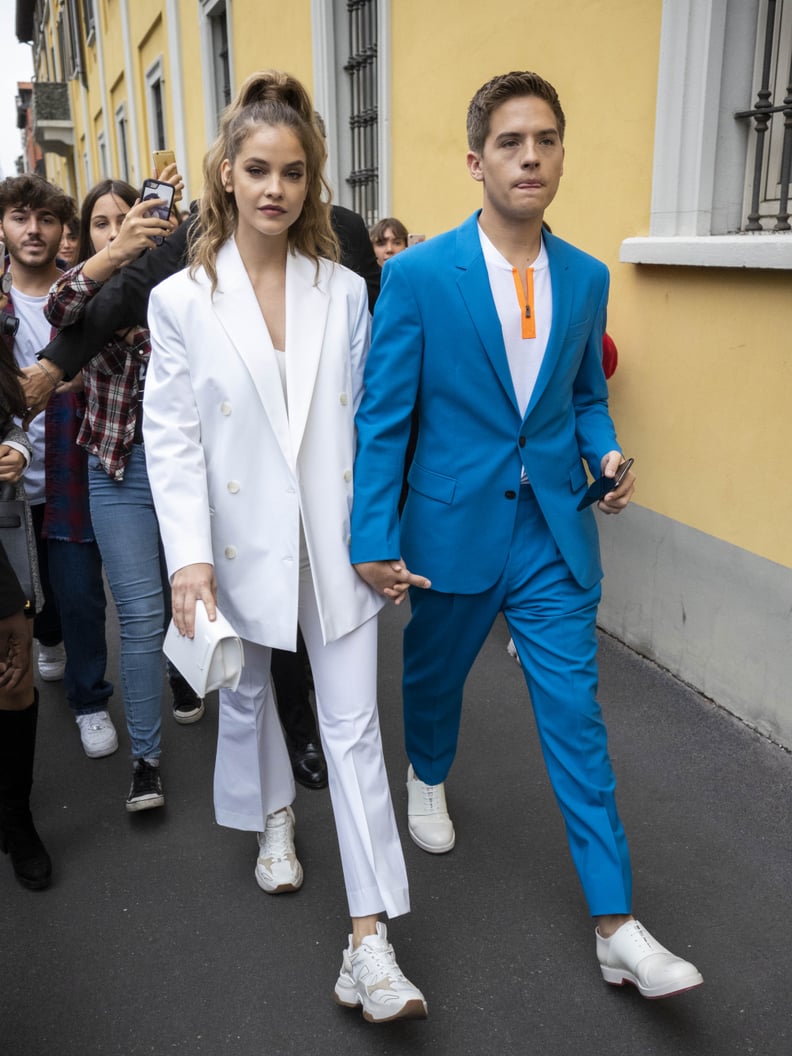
[[604, 485], [158, 189], [162, 159]]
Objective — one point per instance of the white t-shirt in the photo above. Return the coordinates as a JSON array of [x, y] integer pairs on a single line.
[[33, 335], [525, 354]]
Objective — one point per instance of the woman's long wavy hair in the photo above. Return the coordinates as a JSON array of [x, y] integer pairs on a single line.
[[121, 189], [268, 98]]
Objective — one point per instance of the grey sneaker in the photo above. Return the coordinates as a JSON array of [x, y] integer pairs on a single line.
[[277, 868], [51, 662], [370, 977]]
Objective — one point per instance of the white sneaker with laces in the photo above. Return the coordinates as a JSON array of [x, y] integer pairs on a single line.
[[427, 816], [51, 662], [277, 868], [370, 977], [632, 955], [98, 734]]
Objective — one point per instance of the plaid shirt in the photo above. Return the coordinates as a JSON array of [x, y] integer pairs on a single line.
[[67, 516], [113, 379]]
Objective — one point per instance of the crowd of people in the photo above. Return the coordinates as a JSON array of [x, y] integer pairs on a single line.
[[210, 417]]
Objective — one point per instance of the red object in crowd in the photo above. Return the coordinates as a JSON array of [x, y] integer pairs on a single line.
[[610, 355]]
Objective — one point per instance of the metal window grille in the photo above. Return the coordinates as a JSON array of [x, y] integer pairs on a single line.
[[361, 68], [772, 142]]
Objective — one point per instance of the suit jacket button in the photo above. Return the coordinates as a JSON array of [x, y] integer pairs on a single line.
[[522, 441], [230, 552], [511, 494], [344, 399], [225, 407], [347, 475], [233, 486]]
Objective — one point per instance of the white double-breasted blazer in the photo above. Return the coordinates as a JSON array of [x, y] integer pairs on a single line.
[[232, 470]]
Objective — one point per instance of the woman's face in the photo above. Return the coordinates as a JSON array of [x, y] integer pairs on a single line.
[[269, 181], [67, 250], [388, 246], [107, 217]]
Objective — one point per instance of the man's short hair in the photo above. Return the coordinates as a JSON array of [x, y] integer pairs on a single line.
[[34, 192], [500, 89]]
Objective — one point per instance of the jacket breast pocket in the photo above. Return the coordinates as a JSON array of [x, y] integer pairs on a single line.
[[432, 485]]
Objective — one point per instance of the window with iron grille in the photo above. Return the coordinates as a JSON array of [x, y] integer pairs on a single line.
[[156, 106], [770, 143], [723, 137], [217, 58], [362, 71]]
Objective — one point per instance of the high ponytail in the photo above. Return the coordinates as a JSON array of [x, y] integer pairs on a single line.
[[268, 98]]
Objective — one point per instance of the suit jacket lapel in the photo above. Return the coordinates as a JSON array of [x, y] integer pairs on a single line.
[[473, 283], [238, 312], [562, 306], [307, 305]]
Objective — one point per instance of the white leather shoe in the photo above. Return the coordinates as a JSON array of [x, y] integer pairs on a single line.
[[427, 816], [632, 955], [278, 868]]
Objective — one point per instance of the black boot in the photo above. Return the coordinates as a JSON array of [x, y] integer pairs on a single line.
[[18, 836]]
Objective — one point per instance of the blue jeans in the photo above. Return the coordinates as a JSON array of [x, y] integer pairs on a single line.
[[75, 571], [126, 529]]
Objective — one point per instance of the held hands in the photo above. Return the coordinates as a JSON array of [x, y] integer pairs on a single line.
[[615, 501], [391, 579], [189, 584], [15, 651]]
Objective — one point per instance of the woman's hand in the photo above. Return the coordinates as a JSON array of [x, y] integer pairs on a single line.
[[12, 464], [137, 233], [191, 583], [170, 174]]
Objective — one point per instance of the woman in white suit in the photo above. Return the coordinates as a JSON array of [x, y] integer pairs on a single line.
[[256, 370]]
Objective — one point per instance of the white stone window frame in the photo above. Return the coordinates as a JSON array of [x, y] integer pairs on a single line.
[[707, 51], [104, 157], [121, 120]]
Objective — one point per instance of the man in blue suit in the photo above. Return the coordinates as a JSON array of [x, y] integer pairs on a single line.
[[494, 332]]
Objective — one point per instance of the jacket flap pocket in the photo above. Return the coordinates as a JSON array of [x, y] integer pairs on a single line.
[[433, 485]]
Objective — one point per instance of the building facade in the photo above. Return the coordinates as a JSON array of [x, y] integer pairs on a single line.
[[678, 154]]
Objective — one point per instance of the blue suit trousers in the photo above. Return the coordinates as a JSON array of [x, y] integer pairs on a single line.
[[553, 623]]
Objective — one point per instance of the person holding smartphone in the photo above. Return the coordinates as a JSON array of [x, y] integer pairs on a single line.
[[115, 228]]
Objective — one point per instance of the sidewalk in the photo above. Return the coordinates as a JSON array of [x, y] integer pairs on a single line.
[[155, 939]]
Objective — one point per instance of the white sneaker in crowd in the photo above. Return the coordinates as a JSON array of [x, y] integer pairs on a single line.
[[511, 649], [370, 977], [52, 662], [277, 868], [98, 734], [427, 815]]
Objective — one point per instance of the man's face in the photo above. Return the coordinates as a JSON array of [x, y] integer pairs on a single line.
[[522, 160], [32, 236]]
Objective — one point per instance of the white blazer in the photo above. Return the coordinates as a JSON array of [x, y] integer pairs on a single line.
[[231, 470]]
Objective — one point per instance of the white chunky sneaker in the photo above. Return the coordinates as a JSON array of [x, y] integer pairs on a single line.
[[98, 734], [427, 816], [511, 649], [370, 977], [632, 955], [52, 662], [277, 868]]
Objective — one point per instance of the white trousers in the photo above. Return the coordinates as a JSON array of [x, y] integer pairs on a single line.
[[253, 775]]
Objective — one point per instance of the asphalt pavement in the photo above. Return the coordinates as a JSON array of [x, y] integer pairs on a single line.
[[155, 939]]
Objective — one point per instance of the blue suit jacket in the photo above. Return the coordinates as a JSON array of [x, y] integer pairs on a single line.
[[437, 342]]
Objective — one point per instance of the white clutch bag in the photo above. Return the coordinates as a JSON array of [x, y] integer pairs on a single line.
[[213, 659]]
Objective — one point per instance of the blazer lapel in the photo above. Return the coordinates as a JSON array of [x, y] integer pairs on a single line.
[[473, 283], [562, 307], [238, 312], [307, 305]]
